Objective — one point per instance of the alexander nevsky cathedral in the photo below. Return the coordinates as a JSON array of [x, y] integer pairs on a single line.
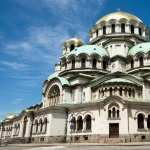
[[99, 92]]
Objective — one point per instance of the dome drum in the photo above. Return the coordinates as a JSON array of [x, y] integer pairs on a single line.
[[118, 23], [86, 57], [139, 56]]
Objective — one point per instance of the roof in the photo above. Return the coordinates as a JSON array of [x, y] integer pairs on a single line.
[[118, 80], [62, 80], [140, 48], [119, 15], [89, 50]]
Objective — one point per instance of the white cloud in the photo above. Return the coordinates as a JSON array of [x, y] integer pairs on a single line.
[[14, 65]]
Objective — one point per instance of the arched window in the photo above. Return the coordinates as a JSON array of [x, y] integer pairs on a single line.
[[54, 95], [132, 29], [36, 126], [120, 91], [104, 64], [118, 114], [79, 123], [40, 125], [104, 30], [122, 28], [130, 92], [109, 113], [73, 124], [132, 63], [88, 122], [140, 31], [83, 60], [110, 91], [73, 63], [148, 122], [44, 126], [113, 111], [72, 47], [113, 28], [141, 61], [94, 63], [140, 121]]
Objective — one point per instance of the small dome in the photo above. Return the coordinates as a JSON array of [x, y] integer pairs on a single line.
[[140, 48], [118, 16], [74, 40], [89, 50]]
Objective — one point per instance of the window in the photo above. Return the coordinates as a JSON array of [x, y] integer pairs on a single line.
[[132, 29], [140, 31], [88, 122], [44, 126], [140, 121], [148, 122], [141, 61], [97, 33], [104, 64], [73, 124], [110, 91], [113, 28], [109, 113], [83, 63], [54, 95], [36, 126], [73, 63], [113, 111], [132, 63], [122, 28], [94, 63], [120, 91], [40, 125], [130, 92], [79, 123], [72, 47], [104, 30]]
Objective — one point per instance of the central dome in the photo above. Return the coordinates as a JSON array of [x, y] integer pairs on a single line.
[[118, 16]]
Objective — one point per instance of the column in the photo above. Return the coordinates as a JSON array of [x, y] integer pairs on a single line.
[[145, 124], [21, 129], [13, 131], [29, 126]]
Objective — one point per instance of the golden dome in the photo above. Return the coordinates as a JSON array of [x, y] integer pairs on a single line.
[[119, 15]]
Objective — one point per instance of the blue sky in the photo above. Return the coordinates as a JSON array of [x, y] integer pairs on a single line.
[[31, 35]]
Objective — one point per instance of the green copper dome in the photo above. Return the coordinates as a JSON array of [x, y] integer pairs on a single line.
[[88, 50], [140, 48]]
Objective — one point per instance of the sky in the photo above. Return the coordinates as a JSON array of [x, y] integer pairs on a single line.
[[31, 36]]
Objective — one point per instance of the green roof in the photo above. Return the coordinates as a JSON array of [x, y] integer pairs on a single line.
[[89, 50], [140, 48], [62, 80]]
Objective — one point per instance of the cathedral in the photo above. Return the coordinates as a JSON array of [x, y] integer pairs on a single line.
[[98, 93]]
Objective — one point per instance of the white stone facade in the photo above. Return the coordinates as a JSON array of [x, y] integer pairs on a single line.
[[99, 91]]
